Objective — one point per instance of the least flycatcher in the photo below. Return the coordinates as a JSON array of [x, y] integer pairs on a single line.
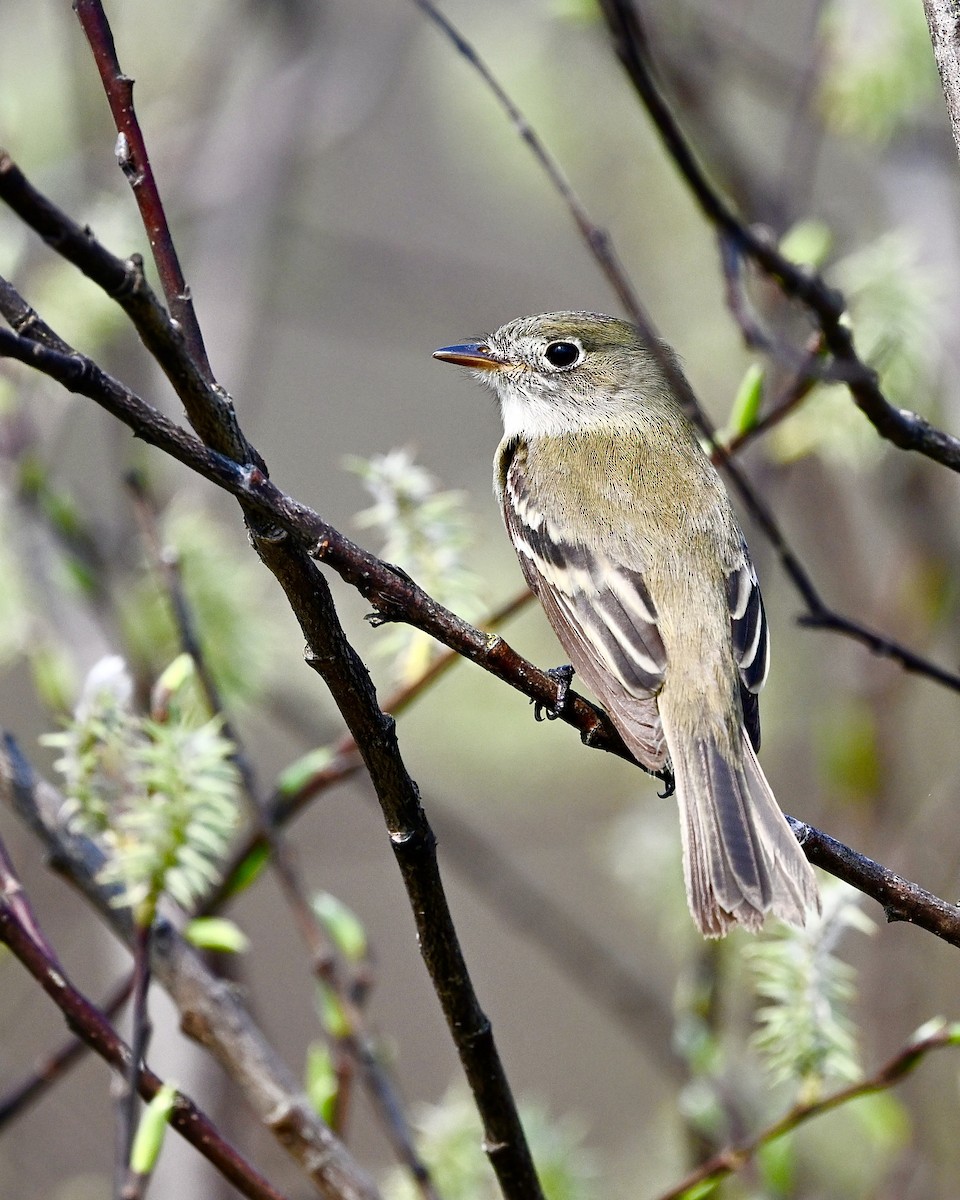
[[626, 535]]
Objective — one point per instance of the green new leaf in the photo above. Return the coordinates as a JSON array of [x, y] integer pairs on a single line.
[[294, 778], [343, 926], [217, 933], [321, 1080], [249, 871], [151, 1131], [807, 243], [746, 404], [332, 1015]]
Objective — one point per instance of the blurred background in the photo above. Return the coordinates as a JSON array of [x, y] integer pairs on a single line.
[[346, 196]]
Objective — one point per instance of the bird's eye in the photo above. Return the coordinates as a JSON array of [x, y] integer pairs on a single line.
[[563, 354]]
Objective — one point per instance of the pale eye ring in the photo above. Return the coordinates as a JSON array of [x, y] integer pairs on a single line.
[[563, 354]]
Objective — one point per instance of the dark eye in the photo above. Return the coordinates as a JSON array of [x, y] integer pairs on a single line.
[[562, 354]]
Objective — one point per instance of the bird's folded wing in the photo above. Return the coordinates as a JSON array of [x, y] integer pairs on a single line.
[[751, 641], [606, 621]]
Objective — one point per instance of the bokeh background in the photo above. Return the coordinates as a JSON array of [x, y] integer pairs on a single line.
[[346, 196]]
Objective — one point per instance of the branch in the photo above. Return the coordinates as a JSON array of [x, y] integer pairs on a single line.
[[30, 1089], [702, 1181], [355, 1041], [905, 429], [88, 1023], [134, 162], [943, 21], [211, 1011], [900, 899]]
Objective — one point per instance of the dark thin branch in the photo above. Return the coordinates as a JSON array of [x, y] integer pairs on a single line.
[[907, 430], [209, 408], [356, 1043], [414, 847], [900, 899], [134, 162], [597, 239], [88, 1023]]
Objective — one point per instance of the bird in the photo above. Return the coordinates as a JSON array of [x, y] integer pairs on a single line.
[[627, 537]]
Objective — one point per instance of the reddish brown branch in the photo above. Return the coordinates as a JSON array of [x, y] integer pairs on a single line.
[[50, 1069], [89, 1024], [134, 161]]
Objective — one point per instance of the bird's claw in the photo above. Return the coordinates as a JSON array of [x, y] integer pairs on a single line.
[[562, 677]]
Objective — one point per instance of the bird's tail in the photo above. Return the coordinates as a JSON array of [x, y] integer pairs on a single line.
[[741, 860]]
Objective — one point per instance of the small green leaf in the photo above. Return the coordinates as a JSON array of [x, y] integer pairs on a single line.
[[699, 1191], [170, 682], [807, 243], [217, 933], [746, 404], [885, 1121], [150, 1132], [778, 1162], [343, 926], [321, 1080], [298, 774], [249, 871], [331, 1012]]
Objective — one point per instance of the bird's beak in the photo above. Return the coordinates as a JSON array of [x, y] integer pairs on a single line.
[[475, 355]]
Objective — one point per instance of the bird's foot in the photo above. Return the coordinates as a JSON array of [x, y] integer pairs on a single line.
[[562, 677]]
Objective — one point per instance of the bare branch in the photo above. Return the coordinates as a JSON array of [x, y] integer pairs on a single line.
[[943, 21], [134, 162], [907, 430], [86, 1020]]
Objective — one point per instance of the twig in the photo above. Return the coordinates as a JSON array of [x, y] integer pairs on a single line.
[[209, 408], [596, 238], [900, 899], [734, 1158], [134, 162], [211, 1011], [89, 1024], [140, 1029], [907, 430], [19, 1097]]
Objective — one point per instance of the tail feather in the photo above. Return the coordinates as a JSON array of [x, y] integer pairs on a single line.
[[741, 859]]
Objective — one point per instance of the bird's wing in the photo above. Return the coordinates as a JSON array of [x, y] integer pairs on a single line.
[[604, 617], [751, 640]]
